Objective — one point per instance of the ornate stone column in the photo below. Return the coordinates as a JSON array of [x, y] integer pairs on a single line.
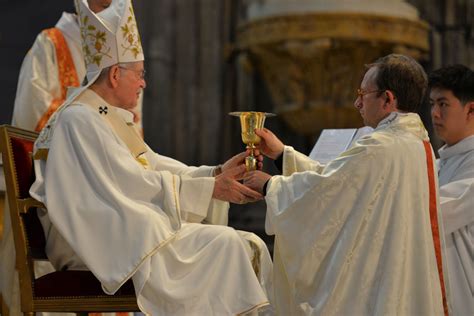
[[311, 53]]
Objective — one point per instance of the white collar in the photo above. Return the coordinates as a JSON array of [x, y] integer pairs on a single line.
[[461, 147], [407, 121], [389, 119]]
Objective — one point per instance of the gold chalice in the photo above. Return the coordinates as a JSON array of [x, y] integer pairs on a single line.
[[249, 121]]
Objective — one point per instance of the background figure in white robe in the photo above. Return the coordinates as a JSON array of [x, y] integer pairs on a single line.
[[54, 63], [354, 237], [452, 113], [123, 212]]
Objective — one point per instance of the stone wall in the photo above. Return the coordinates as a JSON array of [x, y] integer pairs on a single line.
[[452, 30]]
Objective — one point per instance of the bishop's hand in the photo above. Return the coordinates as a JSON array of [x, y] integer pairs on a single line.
[[239, 159], [227, 187]]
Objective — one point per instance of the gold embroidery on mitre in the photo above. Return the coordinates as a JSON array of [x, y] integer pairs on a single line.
[[131, 36], [94, 41]]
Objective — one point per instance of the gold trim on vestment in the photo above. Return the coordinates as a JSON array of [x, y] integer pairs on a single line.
[[254, 308], [41, 154], [256, 257], [176, 197], [143, 161], [149, 254]]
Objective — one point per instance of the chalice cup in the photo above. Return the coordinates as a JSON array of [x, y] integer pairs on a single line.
[[249, 121]]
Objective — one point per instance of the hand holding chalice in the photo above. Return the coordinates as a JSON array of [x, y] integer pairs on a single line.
[[249, 121]]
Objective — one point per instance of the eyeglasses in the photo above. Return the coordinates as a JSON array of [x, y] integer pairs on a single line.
[[141, 73], [361, 92]]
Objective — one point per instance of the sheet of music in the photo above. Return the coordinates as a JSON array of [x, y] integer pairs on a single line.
[[332, 142]]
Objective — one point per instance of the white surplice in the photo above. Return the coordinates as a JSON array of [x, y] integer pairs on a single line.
[[127, 216], [354, 237], [456, 180]]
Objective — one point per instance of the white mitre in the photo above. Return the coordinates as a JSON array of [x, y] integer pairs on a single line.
[[109, 37]]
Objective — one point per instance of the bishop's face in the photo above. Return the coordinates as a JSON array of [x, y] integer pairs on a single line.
[[370, 99], [130, 84]]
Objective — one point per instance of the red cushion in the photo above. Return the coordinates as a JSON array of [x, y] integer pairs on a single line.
[[75, 283], [22, 152]]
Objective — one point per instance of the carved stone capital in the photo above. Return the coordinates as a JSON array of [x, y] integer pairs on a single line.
[[313, 63]]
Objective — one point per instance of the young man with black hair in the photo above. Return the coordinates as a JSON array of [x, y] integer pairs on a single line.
[[452, 113]]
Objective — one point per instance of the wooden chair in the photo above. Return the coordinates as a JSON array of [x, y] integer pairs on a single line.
[[60, 291]]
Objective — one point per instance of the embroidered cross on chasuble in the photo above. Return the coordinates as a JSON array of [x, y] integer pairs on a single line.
[[126, 131]]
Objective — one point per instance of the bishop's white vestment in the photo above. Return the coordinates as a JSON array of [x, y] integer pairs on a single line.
[[354, 237], [122, 211], [54, 62], [456, 180]]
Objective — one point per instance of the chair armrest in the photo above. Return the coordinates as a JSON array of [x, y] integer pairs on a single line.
[[25, 204]]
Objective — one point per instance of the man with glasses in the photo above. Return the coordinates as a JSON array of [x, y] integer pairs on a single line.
[[359, 235], [452, 113], [124, 212]]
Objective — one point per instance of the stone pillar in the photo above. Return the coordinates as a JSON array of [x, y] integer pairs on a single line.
[[184, 54]]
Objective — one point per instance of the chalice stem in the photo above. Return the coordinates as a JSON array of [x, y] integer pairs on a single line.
[[251, 161]]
